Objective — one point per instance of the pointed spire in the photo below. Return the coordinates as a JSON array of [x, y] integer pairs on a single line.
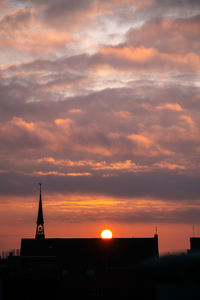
[[40, 220]]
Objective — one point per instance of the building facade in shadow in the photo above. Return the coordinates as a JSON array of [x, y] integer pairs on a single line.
[[73, 268]]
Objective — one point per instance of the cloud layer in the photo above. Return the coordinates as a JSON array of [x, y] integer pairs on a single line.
[[101, 99]]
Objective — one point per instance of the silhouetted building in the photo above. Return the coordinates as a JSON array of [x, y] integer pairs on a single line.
[[74, 268], [91, 252], [194, 244], [176, 277], [94, 252], [93, 268]]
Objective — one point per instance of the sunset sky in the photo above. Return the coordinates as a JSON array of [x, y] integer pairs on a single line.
[[100, 101]]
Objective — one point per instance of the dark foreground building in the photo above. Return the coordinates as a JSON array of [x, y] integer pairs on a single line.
[[118, 268], [94, 252], [173, 277], [80, 269], [194, 244], [89, 252], [77, 268]]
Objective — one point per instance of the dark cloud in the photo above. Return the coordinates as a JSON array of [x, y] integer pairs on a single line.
[[160, 185], [168, 9], [66, 14], [168, 36], [166, 185], [154, 216], [21, 18]]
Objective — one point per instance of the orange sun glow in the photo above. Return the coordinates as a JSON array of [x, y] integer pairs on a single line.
[[106, 234]]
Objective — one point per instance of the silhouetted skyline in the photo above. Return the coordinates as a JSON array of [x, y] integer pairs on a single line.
[[99, 100]]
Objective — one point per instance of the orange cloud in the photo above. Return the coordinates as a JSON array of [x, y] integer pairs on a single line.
[[140, 140], [66, 162], [189, 61], [169, 166], [62, 174], [92, 165], [187, 119], [169, 106], [139, 54], [124, 114], [75, 111], [64, 123], [19, 122], [21, 31], [127, 166], [35, 41], [148, 146]]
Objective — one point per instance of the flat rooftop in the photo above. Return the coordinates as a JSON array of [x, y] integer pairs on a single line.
[[93, 251]]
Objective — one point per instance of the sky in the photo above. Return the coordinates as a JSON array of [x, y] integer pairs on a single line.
[[100, 101]]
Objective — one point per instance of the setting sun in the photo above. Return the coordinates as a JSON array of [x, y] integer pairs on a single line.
[[106, 234]]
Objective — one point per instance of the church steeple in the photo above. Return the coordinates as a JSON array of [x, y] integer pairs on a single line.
[[40, 220]]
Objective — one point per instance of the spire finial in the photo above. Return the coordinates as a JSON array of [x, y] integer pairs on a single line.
[[40, 184]]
